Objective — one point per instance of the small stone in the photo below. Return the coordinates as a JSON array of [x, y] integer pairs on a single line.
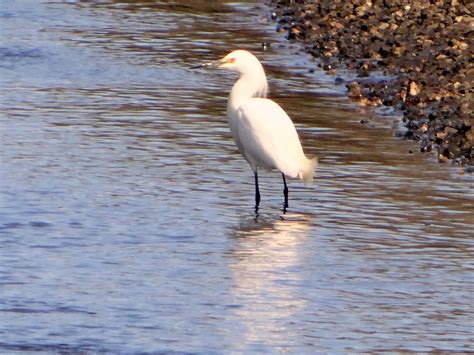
[[450, 130], [427, 43], [442, 158], [338, 80], [438, 97], [441, 135], [470, 135], [414, 89], [327, 66], [294, 32], [462, 46], [354, 89]]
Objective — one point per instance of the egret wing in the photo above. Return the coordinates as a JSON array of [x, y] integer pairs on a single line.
[[268, 137]]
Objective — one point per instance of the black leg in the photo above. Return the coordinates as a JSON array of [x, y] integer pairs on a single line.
[[285, 192], [257, 192]]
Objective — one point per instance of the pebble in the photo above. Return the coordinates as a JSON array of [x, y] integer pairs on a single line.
[[414, 89]]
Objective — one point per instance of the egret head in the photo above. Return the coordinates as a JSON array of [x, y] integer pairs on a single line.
[[249, 68], [239, 61]]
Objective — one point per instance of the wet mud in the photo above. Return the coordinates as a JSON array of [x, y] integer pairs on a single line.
[[413, 56]]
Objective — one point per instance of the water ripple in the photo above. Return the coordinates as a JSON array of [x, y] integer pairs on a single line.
[[126, 215]]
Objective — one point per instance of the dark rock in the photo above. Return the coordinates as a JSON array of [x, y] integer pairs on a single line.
[[339, 81], [354, 89]]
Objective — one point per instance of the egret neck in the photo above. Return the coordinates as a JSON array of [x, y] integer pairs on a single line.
[[250, 84]]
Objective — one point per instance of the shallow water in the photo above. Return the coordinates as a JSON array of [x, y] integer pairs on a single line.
[[126, 218]]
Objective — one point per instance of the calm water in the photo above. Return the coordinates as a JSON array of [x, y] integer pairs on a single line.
[[126, 216]]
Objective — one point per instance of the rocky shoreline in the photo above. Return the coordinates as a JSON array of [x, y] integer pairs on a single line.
[[423, 47]]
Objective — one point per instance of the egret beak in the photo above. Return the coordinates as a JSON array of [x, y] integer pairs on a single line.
[[213, 64]]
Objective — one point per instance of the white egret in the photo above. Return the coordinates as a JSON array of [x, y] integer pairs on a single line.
[[261, 129]]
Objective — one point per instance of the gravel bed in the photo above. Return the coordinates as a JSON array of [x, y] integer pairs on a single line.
[[424, 47]]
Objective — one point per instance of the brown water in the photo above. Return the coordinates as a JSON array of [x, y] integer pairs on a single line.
[[126, 216]]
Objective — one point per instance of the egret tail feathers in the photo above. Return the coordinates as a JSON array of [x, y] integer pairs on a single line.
[[307, 173]]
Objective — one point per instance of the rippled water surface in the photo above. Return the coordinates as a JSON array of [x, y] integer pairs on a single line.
[[126, 213]]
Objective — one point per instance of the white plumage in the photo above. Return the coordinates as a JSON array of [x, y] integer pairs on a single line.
[[269, 139], [263, 132]]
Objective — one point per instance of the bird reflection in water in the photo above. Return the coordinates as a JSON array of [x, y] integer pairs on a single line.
[[267, 258]]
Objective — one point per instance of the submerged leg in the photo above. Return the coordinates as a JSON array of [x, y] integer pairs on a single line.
[[285, 192], [257, 192]]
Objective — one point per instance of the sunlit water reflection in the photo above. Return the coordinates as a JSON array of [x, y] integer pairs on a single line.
[[126, 213]]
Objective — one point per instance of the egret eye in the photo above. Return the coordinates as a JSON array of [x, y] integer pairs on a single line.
[[231, 60]]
